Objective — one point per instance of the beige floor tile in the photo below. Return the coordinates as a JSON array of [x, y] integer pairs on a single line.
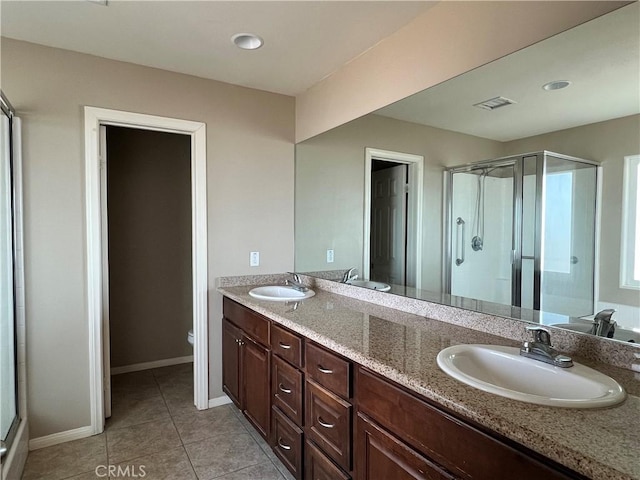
[[139, 440], [173, 370], [179, 401], [264, 471], [132, 410], [66, 459], [170, 465], [218, 456], [198, 425], [135, 384]]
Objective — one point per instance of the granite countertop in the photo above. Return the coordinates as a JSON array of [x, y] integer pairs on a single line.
[[599, 443]]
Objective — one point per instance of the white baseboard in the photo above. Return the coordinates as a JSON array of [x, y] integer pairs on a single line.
[[60, 437], [216, 402], [137, 367]]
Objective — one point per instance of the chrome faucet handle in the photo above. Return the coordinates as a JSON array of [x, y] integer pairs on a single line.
[[540, 335]]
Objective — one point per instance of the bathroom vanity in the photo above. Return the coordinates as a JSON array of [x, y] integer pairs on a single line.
[[342, 388]]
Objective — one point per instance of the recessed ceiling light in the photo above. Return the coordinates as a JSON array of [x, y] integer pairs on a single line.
[[247, 41], [556, 85]]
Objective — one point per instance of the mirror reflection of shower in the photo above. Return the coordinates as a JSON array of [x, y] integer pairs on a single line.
[[532, 239]]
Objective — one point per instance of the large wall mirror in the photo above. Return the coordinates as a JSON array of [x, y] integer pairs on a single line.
[[511, 189]]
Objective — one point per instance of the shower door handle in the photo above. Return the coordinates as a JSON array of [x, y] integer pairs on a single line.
[[459, 241]]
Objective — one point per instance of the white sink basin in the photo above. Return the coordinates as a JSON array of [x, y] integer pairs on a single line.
[[381, 287], [280, 293], [503, 371]]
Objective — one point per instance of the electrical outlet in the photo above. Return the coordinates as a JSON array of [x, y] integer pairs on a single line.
[[254, 259], [329, 256]]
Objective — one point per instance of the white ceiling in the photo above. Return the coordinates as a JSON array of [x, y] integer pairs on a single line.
[[601, 58], [304, 40]]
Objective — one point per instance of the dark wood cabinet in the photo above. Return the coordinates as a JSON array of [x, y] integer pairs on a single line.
[[246, 364], [383, 456], [329, 370], [328, 423], [287, 442], [286, 345], [317, 466], [231, 338], [457, 447], [328, 418], [255, 385], [287, 383]]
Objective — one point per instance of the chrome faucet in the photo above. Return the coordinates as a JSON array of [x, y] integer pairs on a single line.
[[603, 326], [350, 275], [296, 283], [540, 349]]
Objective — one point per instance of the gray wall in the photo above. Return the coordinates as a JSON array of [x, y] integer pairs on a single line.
[[250, 165], [150, 273]]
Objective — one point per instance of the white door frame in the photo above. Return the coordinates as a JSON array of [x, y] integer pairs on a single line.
[[93, 118], [414, 205]]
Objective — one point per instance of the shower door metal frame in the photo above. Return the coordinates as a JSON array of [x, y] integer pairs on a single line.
[[516, 239], [6, 443]]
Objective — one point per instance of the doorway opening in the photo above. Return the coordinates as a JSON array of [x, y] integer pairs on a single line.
[[135, 207], [393, 218], [146, 269]]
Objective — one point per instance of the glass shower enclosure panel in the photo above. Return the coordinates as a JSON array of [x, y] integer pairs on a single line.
[[521, 232], [482, 209], [567, 236], [8, 383]]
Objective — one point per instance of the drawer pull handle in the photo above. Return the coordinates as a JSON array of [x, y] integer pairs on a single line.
[[283, 445], [324, 370], [284, 345], [284, 390], [325, 424]]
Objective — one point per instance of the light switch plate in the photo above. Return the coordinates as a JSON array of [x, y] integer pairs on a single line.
[[329, 256], [254, 259]]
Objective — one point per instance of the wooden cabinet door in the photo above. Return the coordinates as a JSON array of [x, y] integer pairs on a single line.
[[382, 456], [256, 400], [231, 336]]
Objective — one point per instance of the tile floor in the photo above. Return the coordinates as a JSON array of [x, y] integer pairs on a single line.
[[156, 433]]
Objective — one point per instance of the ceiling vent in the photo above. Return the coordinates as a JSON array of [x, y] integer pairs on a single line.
[[494, 103]]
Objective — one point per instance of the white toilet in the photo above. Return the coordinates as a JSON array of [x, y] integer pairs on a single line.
[[190, 337]]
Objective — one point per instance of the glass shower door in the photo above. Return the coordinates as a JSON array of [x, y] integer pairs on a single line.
[[568, 236], [8, 377], [482, 235]]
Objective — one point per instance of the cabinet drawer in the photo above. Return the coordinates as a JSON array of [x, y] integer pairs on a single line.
[[287, 345], [382, 455], [328, 370], [287, 442], [460, 448], [328, 423], [317, 465], [254, 325], [287, 384]]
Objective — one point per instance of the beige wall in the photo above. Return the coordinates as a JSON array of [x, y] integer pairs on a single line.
[[448, 39], [150, 273], [606, 142], [330, 188], [250, 164]]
